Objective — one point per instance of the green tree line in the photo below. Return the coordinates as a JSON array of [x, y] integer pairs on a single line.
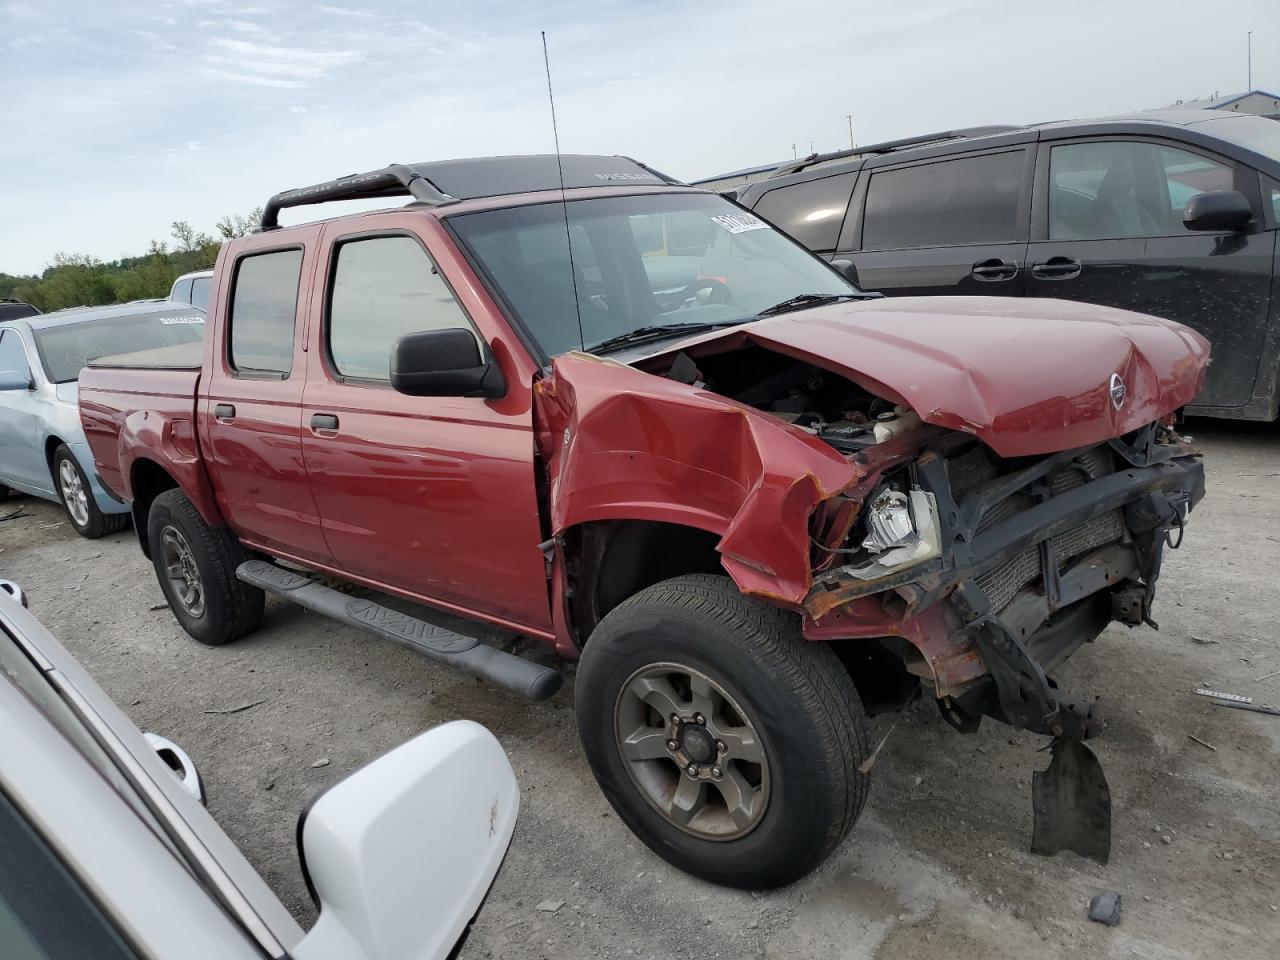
[[76, 280]]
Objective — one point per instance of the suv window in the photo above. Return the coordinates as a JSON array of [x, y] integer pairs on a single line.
[[200, 292], [1112, 188], [181, 291], [967, 200], [382, 289], [44, 913], [12, 355], [811, 211], [263, 307]]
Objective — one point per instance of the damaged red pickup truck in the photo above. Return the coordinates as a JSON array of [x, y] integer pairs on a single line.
[[632, 420]]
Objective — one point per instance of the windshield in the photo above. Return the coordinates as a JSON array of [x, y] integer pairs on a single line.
[[64, 349], [1259, 134], [639, 261]]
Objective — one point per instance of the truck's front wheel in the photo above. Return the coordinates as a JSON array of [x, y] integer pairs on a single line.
[[196, 566], [726, 742]]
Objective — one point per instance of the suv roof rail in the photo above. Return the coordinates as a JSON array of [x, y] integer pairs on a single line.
[[394, 180], [889, 146]]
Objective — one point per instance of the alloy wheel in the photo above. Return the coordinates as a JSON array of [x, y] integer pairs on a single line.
[[692, 751]]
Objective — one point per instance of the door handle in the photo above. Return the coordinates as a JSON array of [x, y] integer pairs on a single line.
[[994, 269], [324, 421], [224, 411], [1057, 268]]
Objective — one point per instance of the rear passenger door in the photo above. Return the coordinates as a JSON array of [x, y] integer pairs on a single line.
[[430, 497], [251, 415], [1107, 229], [949, 225]]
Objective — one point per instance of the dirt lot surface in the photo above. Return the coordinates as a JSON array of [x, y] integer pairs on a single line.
[[937, 867]]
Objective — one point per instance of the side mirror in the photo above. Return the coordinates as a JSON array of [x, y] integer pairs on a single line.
[[1218, 210], [400, 855], [847, 269], [14, 380], [444, 363]]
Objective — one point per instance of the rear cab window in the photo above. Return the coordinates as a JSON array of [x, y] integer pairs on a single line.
[[264, 306], [811, 211], [200, 292], [381, 289], [963, 200]]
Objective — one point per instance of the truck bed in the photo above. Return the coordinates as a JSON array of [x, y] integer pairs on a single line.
[[116, 392]]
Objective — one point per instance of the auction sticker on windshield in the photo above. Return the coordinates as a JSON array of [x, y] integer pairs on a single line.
[[740, 222]]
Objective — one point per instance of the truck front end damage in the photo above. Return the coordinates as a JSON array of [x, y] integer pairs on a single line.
[[870, 471], [986, 573]]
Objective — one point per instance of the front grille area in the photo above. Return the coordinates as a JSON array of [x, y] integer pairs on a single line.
[[974, 468], [1001, 584]]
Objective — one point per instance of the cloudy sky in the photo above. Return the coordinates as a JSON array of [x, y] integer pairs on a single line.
[[121, 117]]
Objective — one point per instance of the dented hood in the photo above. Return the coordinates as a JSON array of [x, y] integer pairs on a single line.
[[1026, 376]]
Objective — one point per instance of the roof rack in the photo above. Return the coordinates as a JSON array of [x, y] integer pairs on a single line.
[[395, 180], [889, 146]]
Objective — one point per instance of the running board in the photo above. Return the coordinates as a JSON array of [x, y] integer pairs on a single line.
[[468, 654]]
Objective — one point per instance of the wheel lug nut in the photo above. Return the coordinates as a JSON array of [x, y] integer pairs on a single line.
[[691, 770], [720, 747], [673, 745], [699, 718], [716, 772], [675, 719]]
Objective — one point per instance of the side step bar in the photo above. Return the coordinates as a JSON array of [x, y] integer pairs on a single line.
[[521, 676]]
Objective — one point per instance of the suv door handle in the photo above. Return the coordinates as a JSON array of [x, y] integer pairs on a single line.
[[324, 421], [1057, 268], [994, 269], [224, 411]]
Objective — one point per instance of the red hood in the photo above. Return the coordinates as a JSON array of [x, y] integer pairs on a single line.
[[1025, 376]]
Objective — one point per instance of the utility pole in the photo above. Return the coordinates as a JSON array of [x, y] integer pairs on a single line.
[[849, 117], [1249, 42], [794, 153]]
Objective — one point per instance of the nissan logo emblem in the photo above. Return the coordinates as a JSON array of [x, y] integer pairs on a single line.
[[1117, 391]]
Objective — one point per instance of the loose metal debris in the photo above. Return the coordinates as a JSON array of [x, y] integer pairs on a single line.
[[1255, 707], [1235, 697]]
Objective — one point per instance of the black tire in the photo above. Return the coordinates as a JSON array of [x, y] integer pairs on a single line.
[[229, 608], [77, 499], [796, 694]]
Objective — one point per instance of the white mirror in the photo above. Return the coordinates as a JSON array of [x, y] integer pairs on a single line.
[[401, 854]]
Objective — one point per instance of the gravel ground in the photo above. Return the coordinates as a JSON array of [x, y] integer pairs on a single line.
[[937, 867]]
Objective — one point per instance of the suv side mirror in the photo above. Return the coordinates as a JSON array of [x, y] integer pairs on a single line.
[[15, 380], [444, 363], [400, 855], [1218, 210]]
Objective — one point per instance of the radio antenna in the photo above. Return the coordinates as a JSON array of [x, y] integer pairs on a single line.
[[564, 204]]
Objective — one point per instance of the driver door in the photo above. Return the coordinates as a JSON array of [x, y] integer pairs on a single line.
[[429, 497]]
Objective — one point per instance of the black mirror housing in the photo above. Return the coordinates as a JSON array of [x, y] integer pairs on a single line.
[[444, 363], [1218, 210]]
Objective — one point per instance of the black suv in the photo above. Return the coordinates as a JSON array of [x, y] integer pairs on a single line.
[[1171, 213]]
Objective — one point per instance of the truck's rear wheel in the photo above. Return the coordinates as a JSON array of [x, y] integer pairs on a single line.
[[77, 499], [726, 742], [196, 566]]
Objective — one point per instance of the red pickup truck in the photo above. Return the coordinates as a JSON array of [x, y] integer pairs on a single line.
[[594, 406]]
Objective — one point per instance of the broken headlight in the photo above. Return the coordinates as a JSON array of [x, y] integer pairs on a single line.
[[902, 529]]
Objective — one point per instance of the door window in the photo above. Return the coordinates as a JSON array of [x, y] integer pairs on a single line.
[[200, 292], [382, 289], [967, 200], [263, 306], [181, 291], [811, 211], [1111, 189], [12, 355], [44, 913]]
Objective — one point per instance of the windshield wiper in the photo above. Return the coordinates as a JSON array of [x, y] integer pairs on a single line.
[[654, 333], [810, 300]]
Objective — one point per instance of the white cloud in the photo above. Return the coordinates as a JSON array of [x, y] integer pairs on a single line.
[[257, 63], [348, 12]]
